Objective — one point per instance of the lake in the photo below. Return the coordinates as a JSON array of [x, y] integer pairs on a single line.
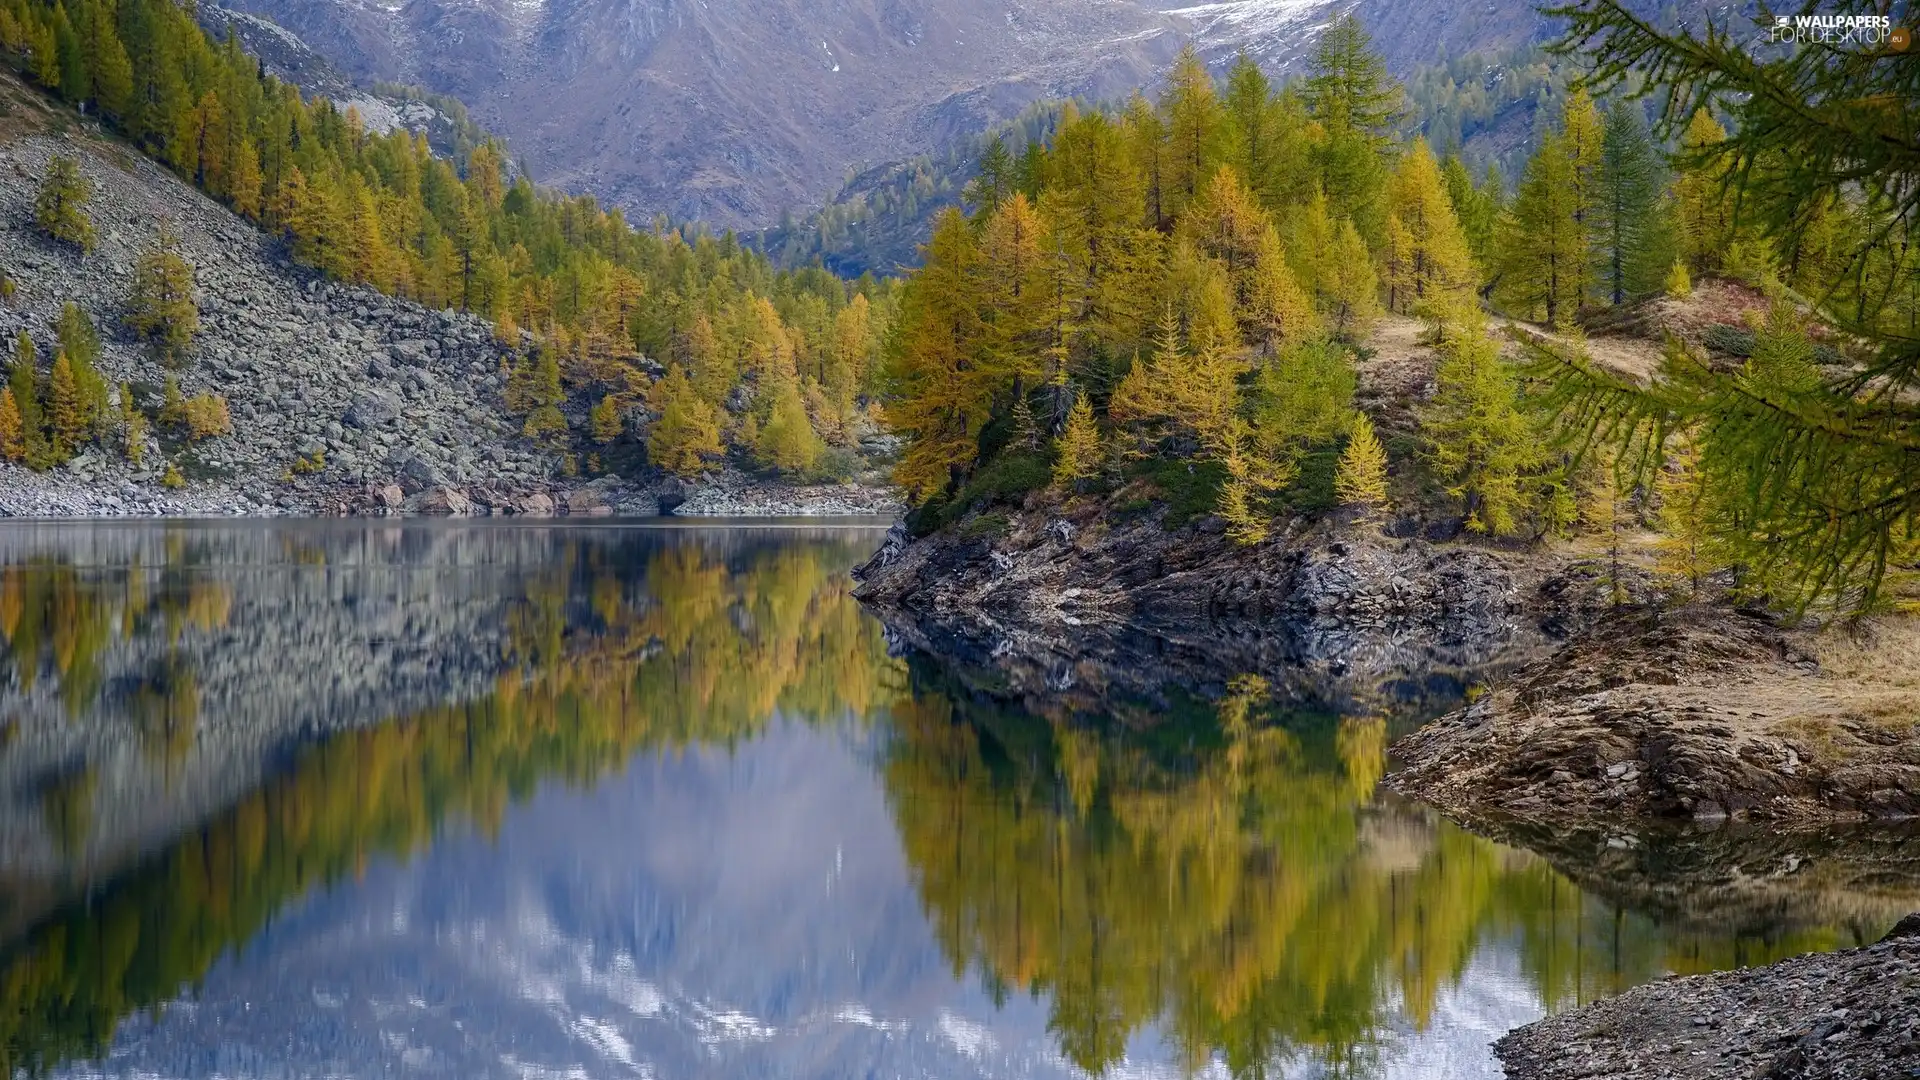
[[536, 800]]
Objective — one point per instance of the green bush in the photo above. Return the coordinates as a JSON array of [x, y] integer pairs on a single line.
[[1192, 488]]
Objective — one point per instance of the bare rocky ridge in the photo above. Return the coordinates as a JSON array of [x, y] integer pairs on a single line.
[[1847, 1016], [1702, 713]]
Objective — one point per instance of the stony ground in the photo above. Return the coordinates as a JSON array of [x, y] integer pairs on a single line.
[[1702, 713], [1846, 1016]]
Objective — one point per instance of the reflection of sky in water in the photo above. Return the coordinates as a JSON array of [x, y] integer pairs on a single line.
[[707, 914]]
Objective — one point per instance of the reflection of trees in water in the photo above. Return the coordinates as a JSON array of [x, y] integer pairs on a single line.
[[57, 619], [1225, 875], [613, 654]]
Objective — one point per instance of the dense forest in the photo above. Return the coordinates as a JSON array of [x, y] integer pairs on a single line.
[[1486, 108], [1191, 283], [771, 367]]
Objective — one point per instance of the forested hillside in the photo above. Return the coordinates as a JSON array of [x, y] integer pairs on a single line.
[[1170, 303], [1489, 109], [771, 367]]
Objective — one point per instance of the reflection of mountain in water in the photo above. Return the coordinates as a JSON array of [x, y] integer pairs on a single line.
[[1228, 877], [606, 643]]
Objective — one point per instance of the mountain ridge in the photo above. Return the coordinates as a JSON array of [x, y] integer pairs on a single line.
[[736, 112]]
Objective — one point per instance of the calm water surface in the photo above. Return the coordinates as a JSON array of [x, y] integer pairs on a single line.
[[537, 801]]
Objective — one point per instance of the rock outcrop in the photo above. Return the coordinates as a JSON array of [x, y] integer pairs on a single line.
[[1046, 593], [1700, 713]]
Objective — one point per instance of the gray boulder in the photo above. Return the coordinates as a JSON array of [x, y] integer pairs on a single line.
[[370, 409]]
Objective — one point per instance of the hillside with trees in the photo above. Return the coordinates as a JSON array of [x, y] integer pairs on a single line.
[[623, 345], [1187, 305]]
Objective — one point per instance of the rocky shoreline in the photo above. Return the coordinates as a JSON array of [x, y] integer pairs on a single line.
[[69, 494], [1846, 1015], [1055, 598]]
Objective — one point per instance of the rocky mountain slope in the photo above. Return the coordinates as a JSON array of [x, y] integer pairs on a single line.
[[387, 391], [383, 107], [735, 110]]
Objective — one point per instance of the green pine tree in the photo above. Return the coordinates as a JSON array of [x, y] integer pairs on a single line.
[[1543, 252], [1481, 441], [1631, 247], [60, 210], [1357, 104], [162, 309]]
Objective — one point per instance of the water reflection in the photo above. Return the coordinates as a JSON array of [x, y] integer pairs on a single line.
[[660, 803], [1228, 877]]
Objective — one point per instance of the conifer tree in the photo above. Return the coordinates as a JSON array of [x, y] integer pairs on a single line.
[[81, 344], [1476, 207], [937, 404], [787, 441], [1480, 439], [687, 435], [23, 379], [1686, 544], [1265, 137], [1542, 244], [1278, 309], [1361, 477], [66, 416], [60, 210], [1194, 127], [133, 427], [1629, 245], [1581, 136], [993, 179], [606, 420], [1701, 200], [13, 442], [1348, 93], [1349, 291], [1679, 283], [1146, 139], [1429, 268], [1077, 453], [162, 309]]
